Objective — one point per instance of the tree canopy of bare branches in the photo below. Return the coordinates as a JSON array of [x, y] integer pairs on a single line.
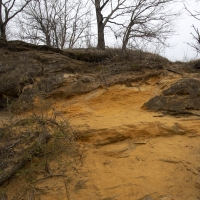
[[8, 10], [149, 20], [196, 34], [69, 24], [55, 23]]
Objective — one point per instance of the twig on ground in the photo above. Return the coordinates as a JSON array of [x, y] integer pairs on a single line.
[[51, 176], [174, 71], [66, 188]]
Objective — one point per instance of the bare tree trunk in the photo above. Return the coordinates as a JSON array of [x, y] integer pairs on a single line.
[[125, 40], [124, 49], [101, 40], [124, 44], [48, 40], [2, 25], [100, 26], [3, 31]]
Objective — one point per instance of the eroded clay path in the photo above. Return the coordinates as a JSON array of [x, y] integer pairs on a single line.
[[130, 153], [126, 152]]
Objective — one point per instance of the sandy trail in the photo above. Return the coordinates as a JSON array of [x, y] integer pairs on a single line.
[[130, 153], [126, 152]]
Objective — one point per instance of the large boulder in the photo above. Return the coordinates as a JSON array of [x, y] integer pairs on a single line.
[[183, 97]]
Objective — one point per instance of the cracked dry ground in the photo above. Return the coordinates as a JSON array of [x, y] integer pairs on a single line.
[[125, 152]]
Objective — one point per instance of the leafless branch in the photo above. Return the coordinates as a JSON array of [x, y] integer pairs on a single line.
[[8, 10]]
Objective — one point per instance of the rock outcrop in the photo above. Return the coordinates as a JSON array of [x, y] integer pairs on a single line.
[[27, 70], [183, 97], [24, 66]]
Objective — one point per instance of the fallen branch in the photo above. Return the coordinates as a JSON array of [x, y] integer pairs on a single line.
[[51, 176], [174, 71]]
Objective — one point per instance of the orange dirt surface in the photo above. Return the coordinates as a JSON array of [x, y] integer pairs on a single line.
[[124, 151]]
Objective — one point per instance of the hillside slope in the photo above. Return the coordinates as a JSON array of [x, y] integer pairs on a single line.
[[121, 150]]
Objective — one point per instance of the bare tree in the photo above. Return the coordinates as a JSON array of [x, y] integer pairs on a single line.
[[196, 35], [8, 10], [149, 20], [111, 7], [36, 22], [80, 23], [55, 23]]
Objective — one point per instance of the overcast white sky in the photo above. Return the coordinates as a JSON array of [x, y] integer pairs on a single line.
[[181, 50]]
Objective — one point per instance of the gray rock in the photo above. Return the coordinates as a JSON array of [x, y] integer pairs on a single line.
[[182, 97]]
